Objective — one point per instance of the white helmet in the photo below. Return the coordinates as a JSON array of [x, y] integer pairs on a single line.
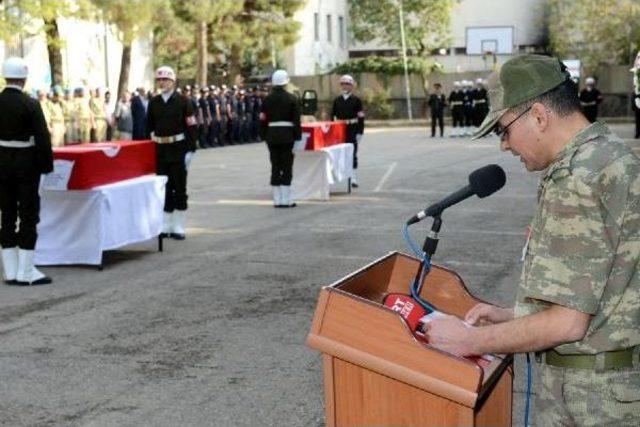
[[479, 81], [280, 78], [165, 72], [456, 84], [589, 81], [15, 68], [348, 80]]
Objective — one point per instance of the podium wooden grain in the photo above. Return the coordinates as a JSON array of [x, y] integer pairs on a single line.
[[376, 373]]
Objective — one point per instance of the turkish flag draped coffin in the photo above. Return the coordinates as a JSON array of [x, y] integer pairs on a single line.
[[323, 134], [105, 162]]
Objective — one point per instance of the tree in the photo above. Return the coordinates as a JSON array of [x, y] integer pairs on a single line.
[[594, 31], [132, 18], [31, 17], [426, 23]]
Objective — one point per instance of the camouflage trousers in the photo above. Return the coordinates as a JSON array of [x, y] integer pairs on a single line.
[[582, 397]]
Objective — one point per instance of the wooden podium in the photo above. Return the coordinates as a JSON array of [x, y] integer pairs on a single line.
[[376, 373]]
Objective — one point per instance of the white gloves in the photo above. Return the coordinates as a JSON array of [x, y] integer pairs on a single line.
[[358, 137], [187, 159], [637, 101]]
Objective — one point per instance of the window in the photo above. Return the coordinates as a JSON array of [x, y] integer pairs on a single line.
[[329, 28], [341, 30], [316, 27]]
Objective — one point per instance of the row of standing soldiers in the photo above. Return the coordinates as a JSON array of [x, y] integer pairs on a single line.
[[74, 119], [468, 105], [226, 116]]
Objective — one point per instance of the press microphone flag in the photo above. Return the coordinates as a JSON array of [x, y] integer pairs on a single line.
[[483, 182]]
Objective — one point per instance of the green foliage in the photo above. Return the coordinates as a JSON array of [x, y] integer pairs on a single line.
[[594, 31], [377, 103], [426, 23], [132, 18], [388, 66], [243, 35]]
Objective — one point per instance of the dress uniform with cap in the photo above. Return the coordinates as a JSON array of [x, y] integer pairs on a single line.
[[280, 128], [467, 107], [25, 154], [173, 126], [455, 105], [437, 102], [480, 102], [348, 107], [590, 98]]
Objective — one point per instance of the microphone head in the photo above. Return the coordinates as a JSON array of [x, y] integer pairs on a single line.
[[487, 180]]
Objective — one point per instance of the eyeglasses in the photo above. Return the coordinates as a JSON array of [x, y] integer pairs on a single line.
[[502, 132]]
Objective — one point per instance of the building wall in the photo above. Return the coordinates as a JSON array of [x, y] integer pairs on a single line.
[[314, 53], [523, 19], [84, 61]]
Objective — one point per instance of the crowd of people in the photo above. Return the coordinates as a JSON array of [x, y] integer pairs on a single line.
[[226, 115], [469, 105]]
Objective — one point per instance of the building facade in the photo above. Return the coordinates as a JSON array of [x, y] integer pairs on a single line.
[[323, 39], [91, 57]]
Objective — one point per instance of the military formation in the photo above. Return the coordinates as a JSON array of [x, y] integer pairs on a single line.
[[468, 106], [226, 115]]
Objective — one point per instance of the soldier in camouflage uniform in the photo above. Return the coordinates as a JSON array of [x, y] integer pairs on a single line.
[[83, 117], [578, 302]]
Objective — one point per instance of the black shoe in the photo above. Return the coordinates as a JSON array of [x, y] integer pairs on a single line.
[[11, 282], [43, 281], [354, 184], [164, 235], [292, 205], [177, 236]]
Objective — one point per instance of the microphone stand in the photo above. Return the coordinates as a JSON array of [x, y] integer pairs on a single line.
[[429, 247]]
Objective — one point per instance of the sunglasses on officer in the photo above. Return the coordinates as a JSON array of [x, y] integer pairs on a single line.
[[503, 132]]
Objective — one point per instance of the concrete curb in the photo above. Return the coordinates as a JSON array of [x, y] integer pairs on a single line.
[[397, 123]]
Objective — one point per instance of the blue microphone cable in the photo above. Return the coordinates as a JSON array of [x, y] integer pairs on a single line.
[[426, 267]]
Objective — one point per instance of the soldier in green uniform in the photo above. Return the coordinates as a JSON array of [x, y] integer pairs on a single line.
[[56, 114], [83, 117], [578, 301], [99, 112], [69, 118]]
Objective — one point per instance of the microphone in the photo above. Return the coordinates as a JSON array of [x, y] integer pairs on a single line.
[[483, 182]]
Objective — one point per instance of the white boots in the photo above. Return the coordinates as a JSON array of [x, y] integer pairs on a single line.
[[282, 197], [173, 225], [10, 265], [27, 273], [179, 219]]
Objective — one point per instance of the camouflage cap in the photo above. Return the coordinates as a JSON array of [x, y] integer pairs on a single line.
[[519, 80]]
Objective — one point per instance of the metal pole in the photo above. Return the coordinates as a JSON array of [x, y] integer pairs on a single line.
[[407, 87], [106, 57]]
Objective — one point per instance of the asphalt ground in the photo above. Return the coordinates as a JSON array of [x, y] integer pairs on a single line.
[[211, 332]]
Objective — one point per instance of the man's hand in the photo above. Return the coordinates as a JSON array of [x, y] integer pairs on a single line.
[[450, 334], [486, 314]]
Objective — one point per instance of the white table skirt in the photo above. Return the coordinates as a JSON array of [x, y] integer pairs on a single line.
[[77, 226], [315, 171]]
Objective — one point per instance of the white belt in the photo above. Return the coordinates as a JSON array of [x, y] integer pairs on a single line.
[[351, 121], [479, 101], [167, 139], [17, 144], [280, 124]]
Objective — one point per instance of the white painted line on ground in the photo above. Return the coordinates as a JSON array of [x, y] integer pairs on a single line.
[[386, 176]]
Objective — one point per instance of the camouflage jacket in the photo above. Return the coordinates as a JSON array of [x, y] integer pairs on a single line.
[[584, 250]]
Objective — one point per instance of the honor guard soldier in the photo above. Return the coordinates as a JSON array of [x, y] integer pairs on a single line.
[[437, 102], [280, 128], [480, 103], [25, 154], [455, 104], [348, 107], [590, 98], [216, 117], [467, 107], [173, 126]]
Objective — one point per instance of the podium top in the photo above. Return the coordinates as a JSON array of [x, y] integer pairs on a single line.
[[352, 324]]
